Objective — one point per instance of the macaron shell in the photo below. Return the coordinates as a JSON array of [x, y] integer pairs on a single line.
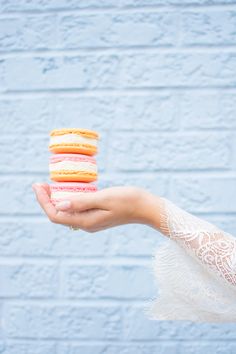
[[83, 132], [70, 176], [65, 190], [55, 158], [73, 187], [73, 148]]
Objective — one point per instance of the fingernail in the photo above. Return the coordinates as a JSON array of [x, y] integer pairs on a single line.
[[63, 205]]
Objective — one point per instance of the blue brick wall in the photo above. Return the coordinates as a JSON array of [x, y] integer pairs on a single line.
[[157, 79]]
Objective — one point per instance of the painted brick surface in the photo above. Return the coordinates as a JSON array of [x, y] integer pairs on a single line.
[[64, 321], [28, 347], [105, 282], [123, 71], [27, 33], [29, 280], [200, 28], [147, 29], [157, 79], [171, 151]]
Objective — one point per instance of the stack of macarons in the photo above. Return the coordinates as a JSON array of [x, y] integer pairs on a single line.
[[72, 166]]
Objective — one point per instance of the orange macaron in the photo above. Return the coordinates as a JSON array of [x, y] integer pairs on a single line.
[[73, 140]]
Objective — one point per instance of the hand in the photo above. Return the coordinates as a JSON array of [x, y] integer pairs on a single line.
[[100, 210]]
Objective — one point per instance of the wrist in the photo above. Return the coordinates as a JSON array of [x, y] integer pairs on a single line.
[[149, 209]]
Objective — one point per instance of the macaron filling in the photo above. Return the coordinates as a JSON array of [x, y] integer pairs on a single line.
[[73, 166], [72, 139], [72, 163]]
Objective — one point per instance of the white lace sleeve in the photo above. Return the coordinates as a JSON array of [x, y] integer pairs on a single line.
[[195, 270]]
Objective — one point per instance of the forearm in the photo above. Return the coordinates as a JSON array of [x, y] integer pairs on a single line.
[[153, 212], [149, 209]]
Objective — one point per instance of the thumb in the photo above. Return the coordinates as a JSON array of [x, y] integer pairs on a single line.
[[81, 203]]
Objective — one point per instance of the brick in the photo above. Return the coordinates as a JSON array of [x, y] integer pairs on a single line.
[[32, 153], [29, 347], [95, 111], [39, 5], [138, 3], [115, 71], [42, 238], [138, 327], [156, 112], [201, 2], [74, 348], [205, 194], [18, 195], [134, 240], [28, 280], [60, 322], [199, 348], [2, 75], [155, 152], [211, 28], [208, 110], [178, 69], [140, 348], [139, 112], [28, 32], [62, 72], [225, 222], [2, 345], [108, 282], [146, 348], [99, 112], [112, 30], [51, 112], [34, 115], [134, 348]]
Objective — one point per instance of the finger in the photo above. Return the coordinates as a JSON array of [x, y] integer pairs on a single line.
[[83, 220], [54, 215], [47, 188], [82, 202], [90, 220], [43, 198]]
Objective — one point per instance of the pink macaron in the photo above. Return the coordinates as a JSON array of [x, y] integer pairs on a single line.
[[63, 190], [72, 168]]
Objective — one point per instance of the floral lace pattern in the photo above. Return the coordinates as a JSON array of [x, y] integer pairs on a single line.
[[209, 244], [197, 272]]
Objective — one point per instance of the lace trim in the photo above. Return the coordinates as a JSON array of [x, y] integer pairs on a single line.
[[164, 226], [195, 270]]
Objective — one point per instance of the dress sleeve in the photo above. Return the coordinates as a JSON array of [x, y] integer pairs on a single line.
[[195, 270]]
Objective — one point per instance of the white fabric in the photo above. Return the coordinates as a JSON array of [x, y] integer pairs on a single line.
[[195, 270]]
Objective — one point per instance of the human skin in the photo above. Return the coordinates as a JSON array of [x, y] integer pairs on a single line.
[[102, 209]]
